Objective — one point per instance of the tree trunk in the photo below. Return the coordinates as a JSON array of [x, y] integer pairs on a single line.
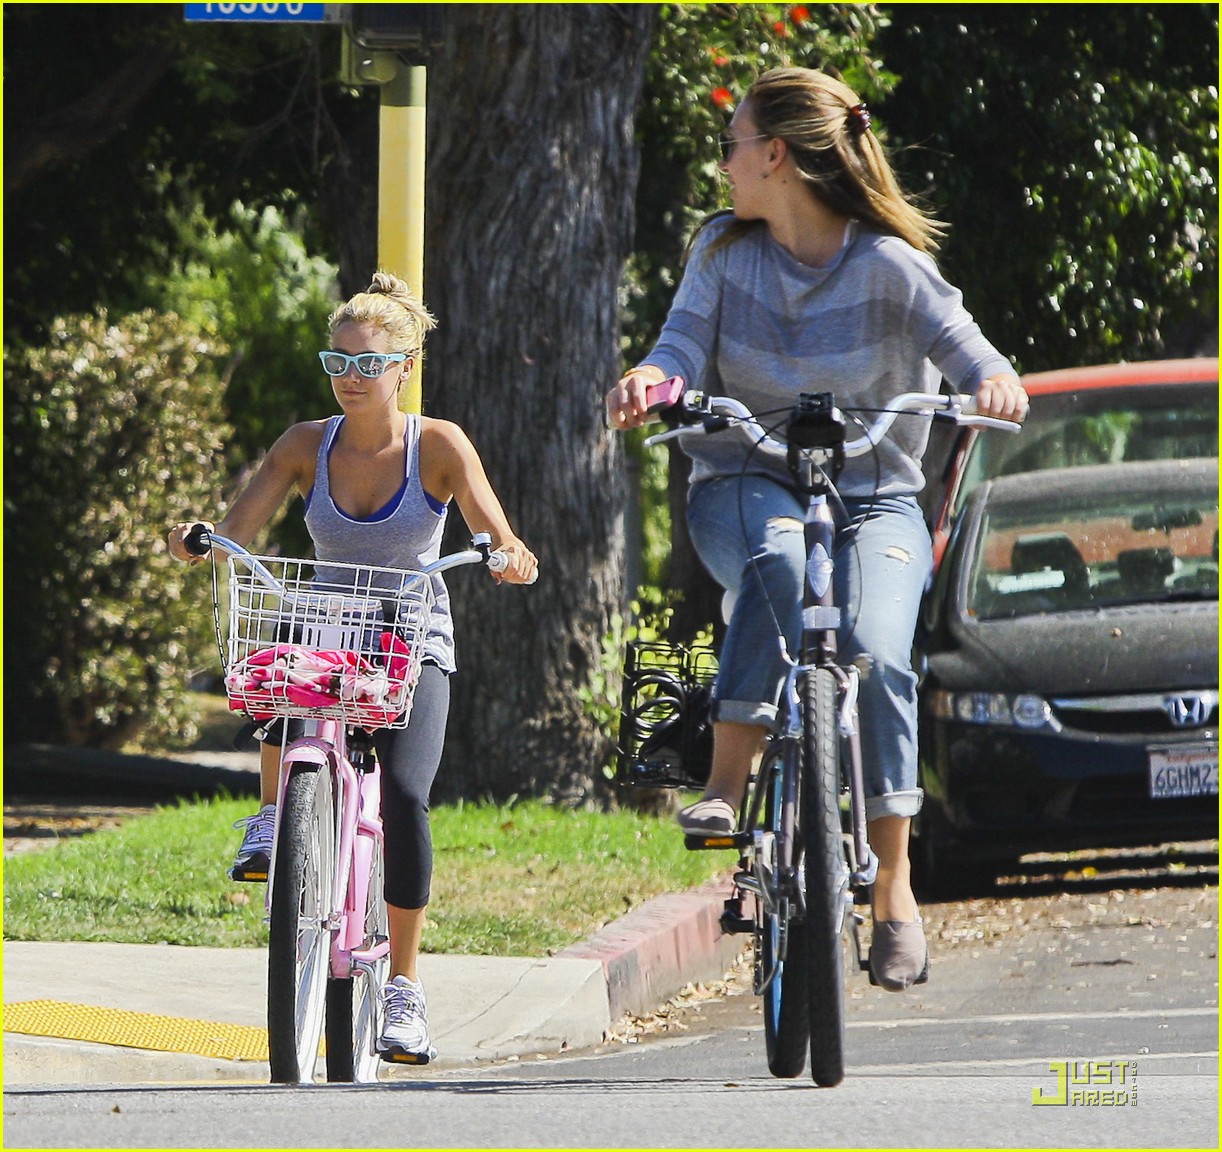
[[532, 170], [699, 603]]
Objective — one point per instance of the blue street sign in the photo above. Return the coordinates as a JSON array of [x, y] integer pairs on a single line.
[[262, 13]]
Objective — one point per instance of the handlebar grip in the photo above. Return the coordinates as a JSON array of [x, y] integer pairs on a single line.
[[198, 542], [498, 562], [970, 417], [664, 395]]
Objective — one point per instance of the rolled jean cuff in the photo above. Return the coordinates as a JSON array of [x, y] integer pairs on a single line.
[[745, 712], [907, 803]]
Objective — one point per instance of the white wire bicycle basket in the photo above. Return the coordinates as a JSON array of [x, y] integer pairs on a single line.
[[348, 649]]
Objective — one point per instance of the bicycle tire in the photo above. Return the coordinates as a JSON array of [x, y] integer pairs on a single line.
[[786, 1015], [826, 875], [352, 1015], [299, 943]]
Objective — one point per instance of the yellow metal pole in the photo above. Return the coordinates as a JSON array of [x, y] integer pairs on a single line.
[[401, 191]]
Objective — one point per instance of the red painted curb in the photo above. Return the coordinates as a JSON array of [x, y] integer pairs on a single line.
[[656, 949]]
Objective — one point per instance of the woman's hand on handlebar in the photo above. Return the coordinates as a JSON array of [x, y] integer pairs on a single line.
[[523, 566], [1003, 398], [176, 538], [626, 403]]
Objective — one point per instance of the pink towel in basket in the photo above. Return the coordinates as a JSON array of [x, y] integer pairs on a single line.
[[314, 678]]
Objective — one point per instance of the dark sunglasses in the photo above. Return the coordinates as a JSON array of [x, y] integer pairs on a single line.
[[729, 143]]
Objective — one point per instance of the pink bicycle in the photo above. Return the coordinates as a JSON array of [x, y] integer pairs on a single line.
[[341, 654]]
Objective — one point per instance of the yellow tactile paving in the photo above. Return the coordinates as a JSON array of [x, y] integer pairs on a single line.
[[136, 1029]]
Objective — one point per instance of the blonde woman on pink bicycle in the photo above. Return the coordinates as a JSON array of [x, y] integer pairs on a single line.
[[377, 484]]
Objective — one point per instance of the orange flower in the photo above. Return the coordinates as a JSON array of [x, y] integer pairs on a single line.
[[799, 14], [722, 97]]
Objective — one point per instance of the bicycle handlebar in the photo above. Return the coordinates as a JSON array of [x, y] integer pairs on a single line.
[[200, 540], [707, 414]]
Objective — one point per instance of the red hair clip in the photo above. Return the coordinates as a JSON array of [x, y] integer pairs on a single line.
[[859, 118]]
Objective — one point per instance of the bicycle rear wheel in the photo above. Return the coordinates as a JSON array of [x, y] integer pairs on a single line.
[[299, 944], [352, 1032], [826, 874], [782, 936]]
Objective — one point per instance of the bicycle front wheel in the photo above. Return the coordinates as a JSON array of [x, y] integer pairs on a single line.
[[781, 936], [352, 1031], [299, 944], [826, 874]]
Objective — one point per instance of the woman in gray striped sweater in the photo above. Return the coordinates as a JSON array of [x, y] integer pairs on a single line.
[[821, 278]]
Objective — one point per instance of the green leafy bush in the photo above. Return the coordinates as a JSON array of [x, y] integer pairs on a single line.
[[250, 279], [111, 432]]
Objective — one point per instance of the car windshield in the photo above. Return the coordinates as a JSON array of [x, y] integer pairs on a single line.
[[1070, 556], [1101, 426]]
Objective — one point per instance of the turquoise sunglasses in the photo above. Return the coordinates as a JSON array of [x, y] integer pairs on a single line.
[[368, 364]]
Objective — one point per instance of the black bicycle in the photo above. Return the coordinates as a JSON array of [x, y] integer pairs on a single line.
[[801, 827]]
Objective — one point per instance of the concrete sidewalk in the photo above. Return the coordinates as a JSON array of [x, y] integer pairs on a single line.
[[480, 1007], [59, 999]]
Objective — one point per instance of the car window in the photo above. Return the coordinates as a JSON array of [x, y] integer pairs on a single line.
[[1100, 426], [1120, 550]]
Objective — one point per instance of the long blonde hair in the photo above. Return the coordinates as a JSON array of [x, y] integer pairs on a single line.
[[390, 304], [835, 151]]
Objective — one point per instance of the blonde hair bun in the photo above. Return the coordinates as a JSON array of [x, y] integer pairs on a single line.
[[390, 304]]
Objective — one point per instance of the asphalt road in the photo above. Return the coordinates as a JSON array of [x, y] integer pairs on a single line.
[[1094, 975]]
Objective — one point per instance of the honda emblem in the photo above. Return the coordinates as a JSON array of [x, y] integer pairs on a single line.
[[1189, 711]]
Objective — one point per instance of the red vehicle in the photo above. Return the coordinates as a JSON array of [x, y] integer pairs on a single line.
[[1158, 410]]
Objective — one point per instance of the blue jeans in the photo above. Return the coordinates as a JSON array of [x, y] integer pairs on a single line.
[[883, 562]]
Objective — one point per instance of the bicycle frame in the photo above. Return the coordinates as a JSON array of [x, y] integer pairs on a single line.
[[821, 618], [358, 832]]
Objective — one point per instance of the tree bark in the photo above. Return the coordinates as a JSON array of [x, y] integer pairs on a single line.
[[532, 171]]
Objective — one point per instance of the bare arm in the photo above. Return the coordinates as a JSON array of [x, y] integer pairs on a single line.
[[289, 463], [451, 467]]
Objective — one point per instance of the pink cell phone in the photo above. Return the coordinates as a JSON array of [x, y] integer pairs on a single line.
[[664, 395]]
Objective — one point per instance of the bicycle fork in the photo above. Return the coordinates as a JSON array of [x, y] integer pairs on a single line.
[[821, 619], [357, 834]]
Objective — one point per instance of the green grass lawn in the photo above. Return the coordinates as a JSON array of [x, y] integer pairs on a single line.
[[517, 880]]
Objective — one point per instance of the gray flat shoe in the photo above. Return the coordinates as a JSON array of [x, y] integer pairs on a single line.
[[899, 955], [708, 818]]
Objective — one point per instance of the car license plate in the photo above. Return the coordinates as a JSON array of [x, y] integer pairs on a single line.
[[1184, 770]]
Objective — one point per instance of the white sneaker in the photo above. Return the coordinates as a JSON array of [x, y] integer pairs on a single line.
[[405, 1023]]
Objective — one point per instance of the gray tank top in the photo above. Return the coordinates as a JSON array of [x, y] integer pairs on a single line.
[[404, 534]]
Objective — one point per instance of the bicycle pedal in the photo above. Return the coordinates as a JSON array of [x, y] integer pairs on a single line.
[[705, 843], [255, 874], [734, 925], [393, 1055]]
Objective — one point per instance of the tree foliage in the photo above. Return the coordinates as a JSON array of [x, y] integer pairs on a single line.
[[112, 430], [97, 166], [1074, 151], [249, 279]]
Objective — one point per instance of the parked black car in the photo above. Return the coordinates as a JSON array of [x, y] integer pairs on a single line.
[[1070, 690]]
